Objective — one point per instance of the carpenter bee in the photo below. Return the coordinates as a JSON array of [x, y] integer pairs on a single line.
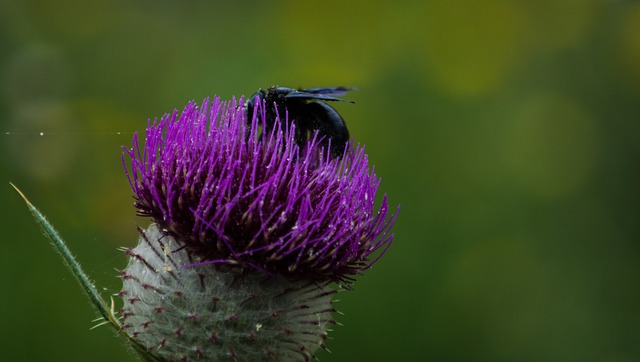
[[307, 108]]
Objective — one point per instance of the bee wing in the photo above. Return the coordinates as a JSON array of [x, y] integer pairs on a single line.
[[324, 94], [338, 91]]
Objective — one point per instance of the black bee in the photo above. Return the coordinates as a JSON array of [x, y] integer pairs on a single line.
[[309, 112]]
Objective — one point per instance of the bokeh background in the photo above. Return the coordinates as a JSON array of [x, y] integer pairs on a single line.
[[507, 130]]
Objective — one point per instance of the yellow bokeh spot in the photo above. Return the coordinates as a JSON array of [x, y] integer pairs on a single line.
[[470, 47], [553, 146], [346, 41], [502, 285], [555, 25], [630, 43]]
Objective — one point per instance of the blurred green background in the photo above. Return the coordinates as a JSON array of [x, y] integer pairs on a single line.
[[507, 130]]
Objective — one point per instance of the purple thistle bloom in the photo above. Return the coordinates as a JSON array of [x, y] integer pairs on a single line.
[[231, 191]]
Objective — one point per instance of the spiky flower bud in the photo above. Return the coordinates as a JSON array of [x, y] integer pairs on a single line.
[[218, 313], [249, 232]]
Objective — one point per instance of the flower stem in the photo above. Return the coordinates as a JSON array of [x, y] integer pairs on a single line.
[[85, 283]]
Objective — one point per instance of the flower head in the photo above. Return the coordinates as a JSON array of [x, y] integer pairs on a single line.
[[232, 191], [251, 227]]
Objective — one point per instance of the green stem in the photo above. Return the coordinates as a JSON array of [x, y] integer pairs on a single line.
[[76, 269]]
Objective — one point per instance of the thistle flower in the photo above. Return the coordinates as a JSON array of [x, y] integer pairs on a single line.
[[249, 232]]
